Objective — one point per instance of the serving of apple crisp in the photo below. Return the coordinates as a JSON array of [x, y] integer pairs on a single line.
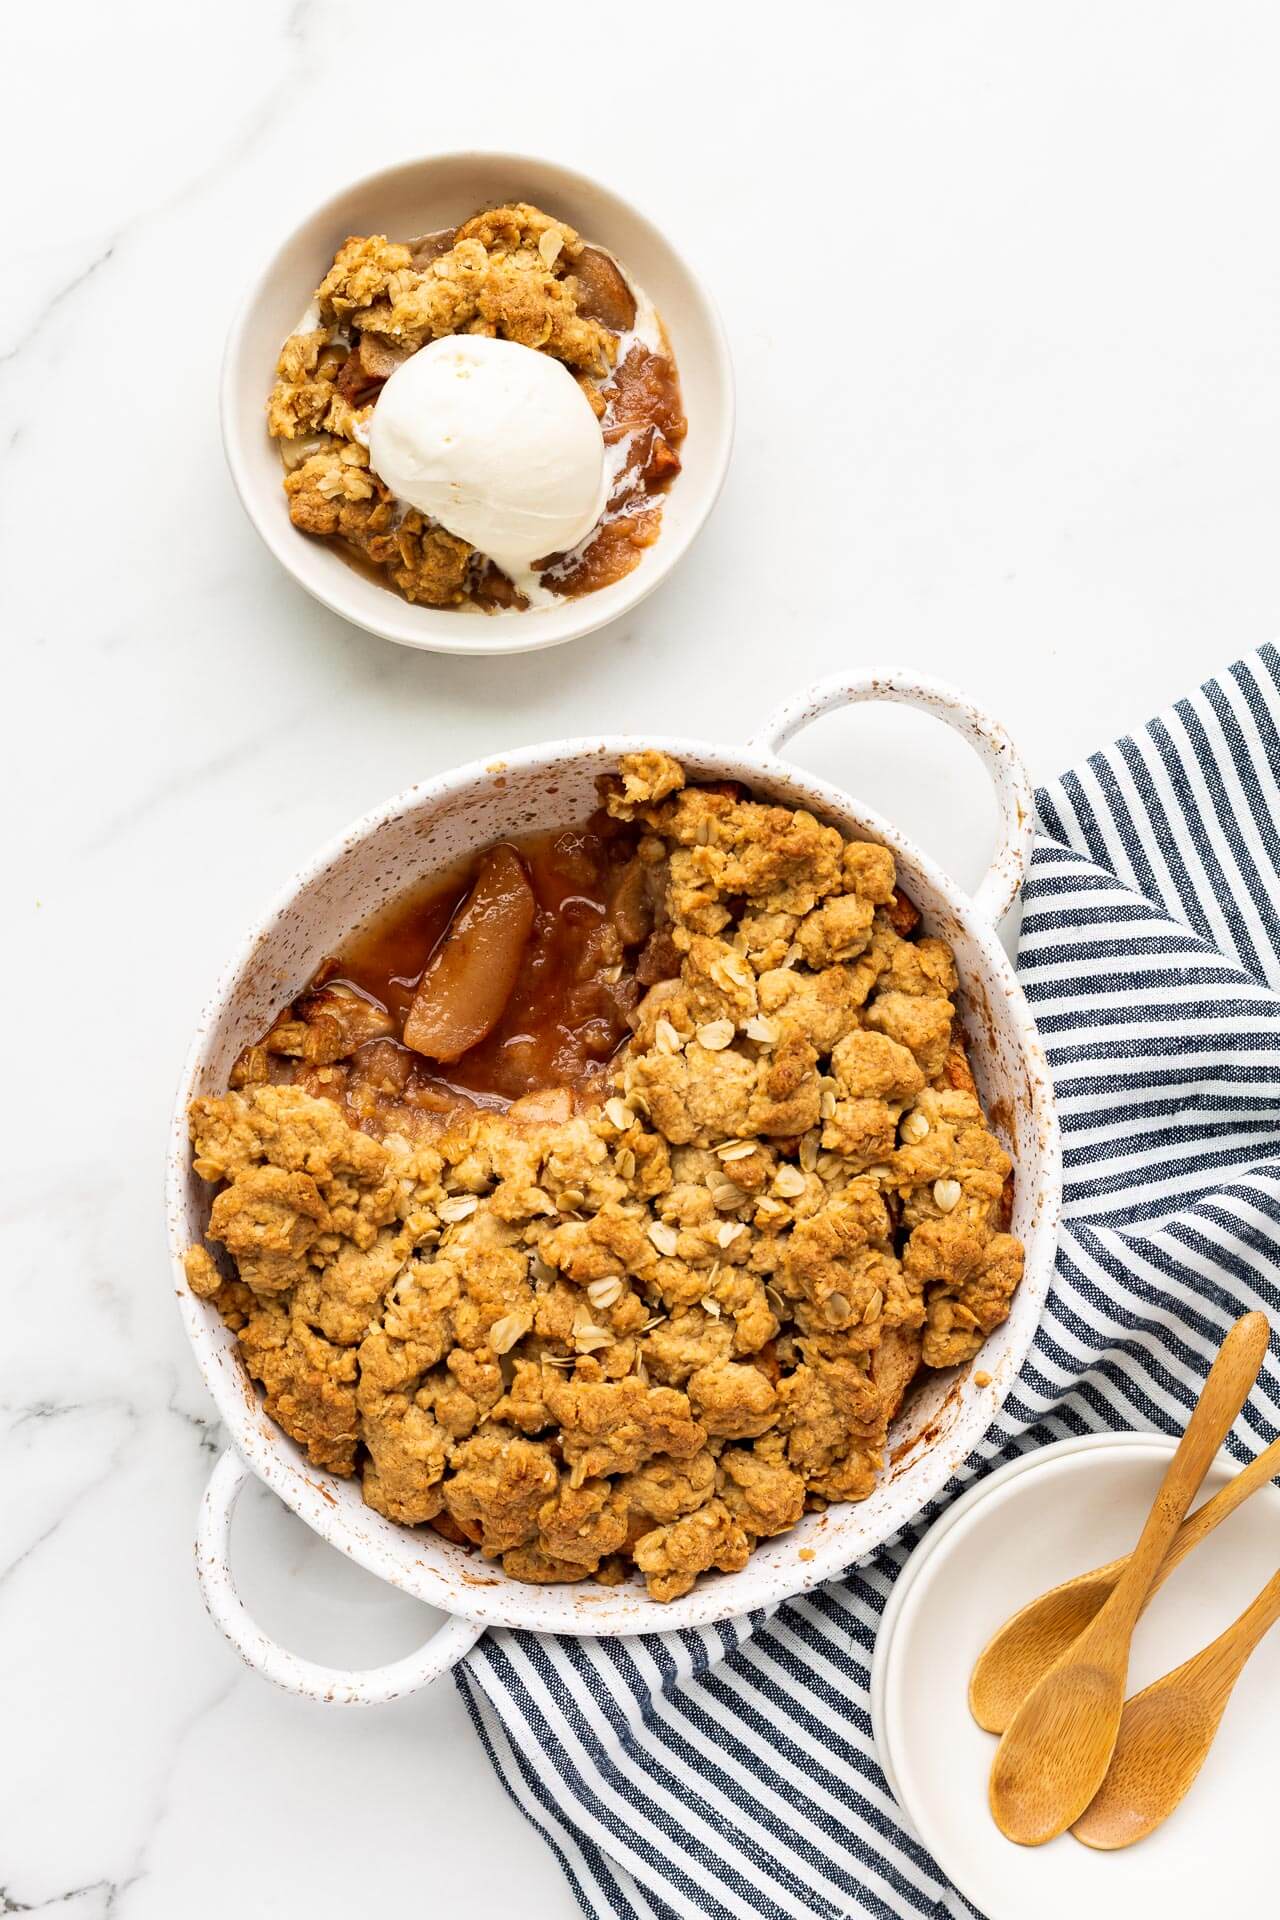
[[598, 1206], [524, 462]]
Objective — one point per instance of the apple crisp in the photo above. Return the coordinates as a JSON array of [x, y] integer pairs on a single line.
[[511, 273], [638, 1264]]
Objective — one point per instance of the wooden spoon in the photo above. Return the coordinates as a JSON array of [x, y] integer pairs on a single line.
[[1167, 1730], [1055, 1750], [1029, 1642]]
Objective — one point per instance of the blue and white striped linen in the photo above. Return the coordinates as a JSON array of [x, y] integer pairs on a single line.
[[730, 1771]]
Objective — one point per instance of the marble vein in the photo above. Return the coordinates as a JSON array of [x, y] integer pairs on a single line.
[[239, 150], [32, 329], [111, 1891], [44, 1413]]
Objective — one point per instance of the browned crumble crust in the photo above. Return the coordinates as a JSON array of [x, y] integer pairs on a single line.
[[649, 1334], [513, 273]]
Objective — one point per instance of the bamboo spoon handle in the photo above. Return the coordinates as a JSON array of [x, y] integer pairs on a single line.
[[1225, 1392], [1217, 1667], [1198, 1526], [1255, 1474]]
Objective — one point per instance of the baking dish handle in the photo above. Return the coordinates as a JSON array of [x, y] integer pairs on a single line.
[[334, 1686], [1014, 796]]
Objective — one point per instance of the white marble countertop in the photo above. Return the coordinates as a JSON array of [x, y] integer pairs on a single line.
[[1001, 285]]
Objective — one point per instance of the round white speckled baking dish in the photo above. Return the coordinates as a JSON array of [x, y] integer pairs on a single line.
[[429, 827]]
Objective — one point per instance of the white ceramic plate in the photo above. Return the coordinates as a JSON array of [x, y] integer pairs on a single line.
[[1036, 1522], [417, 197]]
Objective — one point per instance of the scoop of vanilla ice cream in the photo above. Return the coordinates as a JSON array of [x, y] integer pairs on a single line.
[[495, 441]]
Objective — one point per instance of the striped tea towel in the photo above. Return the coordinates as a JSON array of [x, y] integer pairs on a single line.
[[730, 1771]]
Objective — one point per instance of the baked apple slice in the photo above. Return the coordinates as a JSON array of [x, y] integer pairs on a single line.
[[602, 292], [469, 978]]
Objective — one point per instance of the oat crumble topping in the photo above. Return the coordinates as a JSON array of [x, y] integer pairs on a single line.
[[647, 1333]]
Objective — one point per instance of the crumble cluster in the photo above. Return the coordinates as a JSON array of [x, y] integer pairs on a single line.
[[648, 1335]]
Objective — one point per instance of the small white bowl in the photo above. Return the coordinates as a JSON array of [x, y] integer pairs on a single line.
[[1038, 1521], [419, 197]]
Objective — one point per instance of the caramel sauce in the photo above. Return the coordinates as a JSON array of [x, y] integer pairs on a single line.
[[645, 392], [642, 410], [566, 1016]]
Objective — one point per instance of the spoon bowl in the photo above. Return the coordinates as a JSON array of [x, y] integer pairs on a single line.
[[1077, 1716], [1166, 1738], [1031, 1641], [1166, 1732]]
